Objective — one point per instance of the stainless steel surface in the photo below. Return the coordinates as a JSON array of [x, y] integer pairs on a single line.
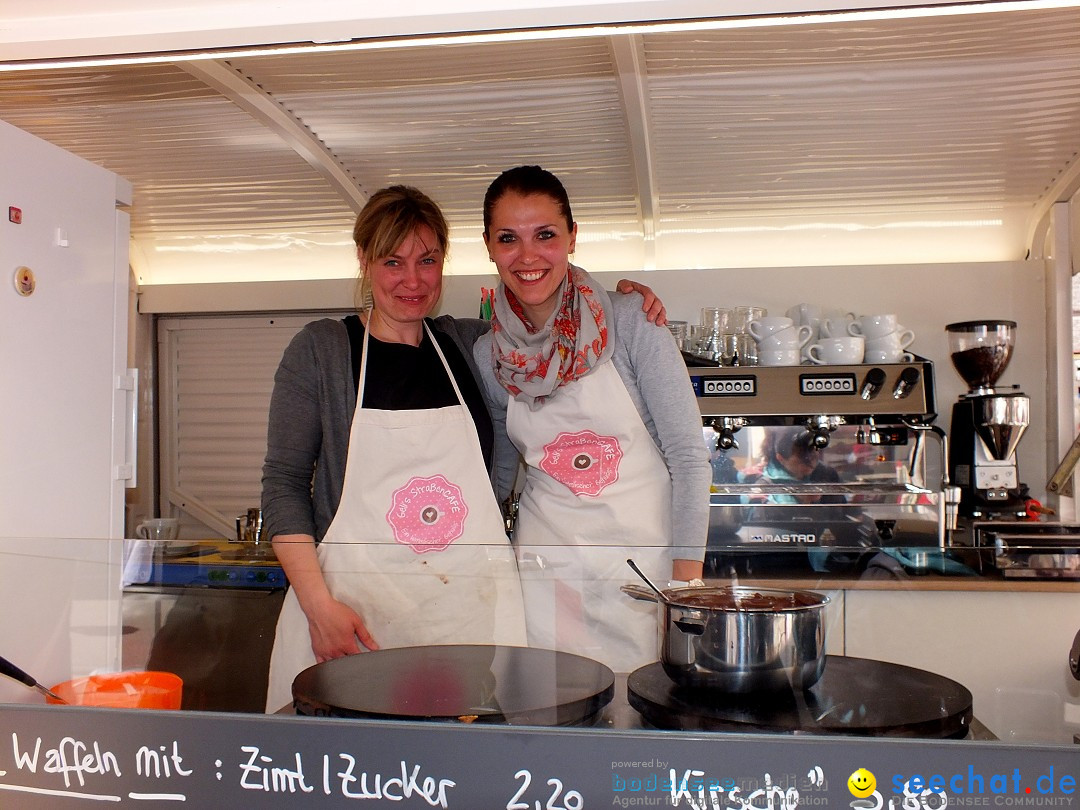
[[857, 497], [249, 526], [810, 391], [741, 640], [868, 484], [1001, 422], [1026, 549]]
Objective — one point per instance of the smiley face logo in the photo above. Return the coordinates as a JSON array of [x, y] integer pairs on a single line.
[[861, 783]]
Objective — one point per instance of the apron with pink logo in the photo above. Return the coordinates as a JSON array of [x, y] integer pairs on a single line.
[[597, 491], [418, 544]]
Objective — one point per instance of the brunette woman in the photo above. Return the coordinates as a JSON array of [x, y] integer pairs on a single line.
[[599, 404]]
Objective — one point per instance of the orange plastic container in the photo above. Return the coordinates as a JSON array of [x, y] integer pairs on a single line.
[[123, 690]]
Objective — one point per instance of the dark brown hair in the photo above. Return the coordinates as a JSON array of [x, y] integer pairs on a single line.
[[788, 441], [526, 180]]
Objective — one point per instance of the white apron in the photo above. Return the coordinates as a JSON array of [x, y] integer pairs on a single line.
[[597, 491], [418, 544]]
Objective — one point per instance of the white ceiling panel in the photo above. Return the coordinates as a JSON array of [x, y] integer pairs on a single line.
[[969, 121]]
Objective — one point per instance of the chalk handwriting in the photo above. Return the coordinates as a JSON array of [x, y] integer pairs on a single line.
[[70, 758], [364, 785], [701, 795], [158, 763], [257, 776]]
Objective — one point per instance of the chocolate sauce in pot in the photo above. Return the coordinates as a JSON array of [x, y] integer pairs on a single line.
[[747, 600]]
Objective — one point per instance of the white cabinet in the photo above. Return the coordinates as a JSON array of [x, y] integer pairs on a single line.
[[1009, 648]]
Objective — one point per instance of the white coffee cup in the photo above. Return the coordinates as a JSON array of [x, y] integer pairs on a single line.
[[900, 339], [837, 351], [779, 357], [158, 529], [834, 323], [887, 356], [872, 326], [791, 337], [805, 313], [764, 326]]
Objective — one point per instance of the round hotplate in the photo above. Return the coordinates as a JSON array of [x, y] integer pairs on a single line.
[[853, 696], [463, 683]]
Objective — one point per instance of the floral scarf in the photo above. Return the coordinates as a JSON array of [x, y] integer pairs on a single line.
[[532, 363]]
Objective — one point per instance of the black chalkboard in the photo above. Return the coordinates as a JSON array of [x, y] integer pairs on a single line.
[[67, 757]]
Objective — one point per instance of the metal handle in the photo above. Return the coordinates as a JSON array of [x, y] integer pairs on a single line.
[[875, 379], [1061, 482], [908, 378], [690, 627], [639, 592], [9, 670]]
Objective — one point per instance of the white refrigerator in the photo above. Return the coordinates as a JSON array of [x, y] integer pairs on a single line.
[[66, 408]]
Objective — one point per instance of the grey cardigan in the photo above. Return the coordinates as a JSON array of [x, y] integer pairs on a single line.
[[311, 413], [652, 369]]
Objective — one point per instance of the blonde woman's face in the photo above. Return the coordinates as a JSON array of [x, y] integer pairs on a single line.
[[406, 285]]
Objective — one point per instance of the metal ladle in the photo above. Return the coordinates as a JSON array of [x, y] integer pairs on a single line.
[[11, 671], [659, 593]]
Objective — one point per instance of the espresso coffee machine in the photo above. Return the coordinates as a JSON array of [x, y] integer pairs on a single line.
[[869, 491], [987, 423]]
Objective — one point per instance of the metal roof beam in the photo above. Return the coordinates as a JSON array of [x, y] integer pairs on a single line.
[[270, 113], [1061, 190], [628, 54]]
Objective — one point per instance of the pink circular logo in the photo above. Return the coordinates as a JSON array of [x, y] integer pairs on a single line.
[[583, 462], [427, 514]]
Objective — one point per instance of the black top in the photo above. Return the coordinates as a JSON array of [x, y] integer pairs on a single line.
[[460, 683], [413, 377], [858, 696]]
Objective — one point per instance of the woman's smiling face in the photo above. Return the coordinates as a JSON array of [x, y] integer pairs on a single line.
[[530, 241], [406, 285]]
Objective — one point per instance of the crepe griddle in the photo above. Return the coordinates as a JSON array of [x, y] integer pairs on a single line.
[[458, 683], [858, 696]]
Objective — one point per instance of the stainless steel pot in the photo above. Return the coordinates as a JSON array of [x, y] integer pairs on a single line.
[[740, 639]]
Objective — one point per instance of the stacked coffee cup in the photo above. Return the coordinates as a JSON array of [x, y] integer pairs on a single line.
[[779, 339], [886, 340], [847, 338]]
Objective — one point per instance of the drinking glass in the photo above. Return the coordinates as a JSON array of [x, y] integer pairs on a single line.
[[678, 331], [697, 339], [741, 317], [716, 319], [746, 350]]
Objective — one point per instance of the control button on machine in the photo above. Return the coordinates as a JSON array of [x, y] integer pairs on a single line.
[[909, 378], [872, 383]]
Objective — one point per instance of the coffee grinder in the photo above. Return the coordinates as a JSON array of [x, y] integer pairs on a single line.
[[987, 422]]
